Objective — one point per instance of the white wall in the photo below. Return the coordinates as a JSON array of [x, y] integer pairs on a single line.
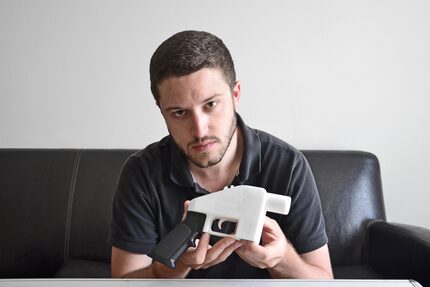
[[319, 74]]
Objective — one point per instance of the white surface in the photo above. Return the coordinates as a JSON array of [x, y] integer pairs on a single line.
[[200, 283], [318, 74]]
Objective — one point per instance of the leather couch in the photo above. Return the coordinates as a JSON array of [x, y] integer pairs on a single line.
[[55, 212]]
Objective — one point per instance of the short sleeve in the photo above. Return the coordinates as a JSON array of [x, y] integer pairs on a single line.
[[133, 225], [304, 225]]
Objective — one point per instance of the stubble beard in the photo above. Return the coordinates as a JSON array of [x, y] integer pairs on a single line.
[[203, 160]]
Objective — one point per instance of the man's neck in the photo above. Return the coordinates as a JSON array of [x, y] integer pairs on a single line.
[[216, 177]]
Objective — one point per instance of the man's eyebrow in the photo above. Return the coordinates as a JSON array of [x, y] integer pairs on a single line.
[[173, 108], [211, 98]]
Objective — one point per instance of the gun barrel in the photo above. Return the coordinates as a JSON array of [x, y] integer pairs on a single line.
[[278, 203]]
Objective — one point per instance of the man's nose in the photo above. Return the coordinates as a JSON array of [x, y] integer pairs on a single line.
[[199, 125]]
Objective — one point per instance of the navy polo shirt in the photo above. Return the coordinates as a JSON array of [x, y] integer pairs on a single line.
[[155, 182]]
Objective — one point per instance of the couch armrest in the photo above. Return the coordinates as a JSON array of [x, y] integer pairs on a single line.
[[399, 251]]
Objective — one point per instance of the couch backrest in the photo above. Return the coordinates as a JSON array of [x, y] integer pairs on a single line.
[[350, 188], [56, 204], [34, 194], [96, 178]]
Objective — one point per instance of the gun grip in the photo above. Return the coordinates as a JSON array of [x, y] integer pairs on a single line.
[[177, 241]]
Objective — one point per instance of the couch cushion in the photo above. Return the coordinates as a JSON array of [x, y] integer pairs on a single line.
[[355, 272], [74, 268]]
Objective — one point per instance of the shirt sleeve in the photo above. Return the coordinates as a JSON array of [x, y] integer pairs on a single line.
[[304, 226], [133, 225]]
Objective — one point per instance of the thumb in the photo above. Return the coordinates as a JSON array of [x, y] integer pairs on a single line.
[[186, 204]]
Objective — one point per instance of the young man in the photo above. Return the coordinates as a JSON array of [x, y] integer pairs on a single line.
[[209, 147]]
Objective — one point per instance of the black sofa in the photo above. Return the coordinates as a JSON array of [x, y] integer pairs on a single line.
[[55, 211]]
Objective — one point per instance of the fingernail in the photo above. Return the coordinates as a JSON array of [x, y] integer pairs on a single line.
[[237, 244], [231, 241]]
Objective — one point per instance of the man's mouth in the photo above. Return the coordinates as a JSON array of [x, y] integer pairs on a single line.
[[203, 146]]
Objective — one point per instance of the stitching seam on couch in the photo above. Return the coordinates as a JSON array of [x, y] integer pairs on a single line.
[[70, 204]]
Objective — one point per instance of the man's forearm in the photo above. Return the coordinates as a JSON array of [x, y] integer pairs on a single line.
[[302, 270], [295, 267], [158, 270]]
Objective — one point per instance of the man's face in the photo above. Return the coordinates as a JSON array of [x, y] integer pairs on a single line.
[[199, 110]]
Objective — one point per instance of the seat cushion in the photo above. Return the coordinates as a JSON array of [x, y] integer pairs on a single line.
[[75, 268], [355, 272]]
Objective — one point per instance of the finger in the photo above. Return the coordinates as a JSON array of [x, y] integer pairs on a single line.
[[264, 256], [251, 248], [252, 253], [186, 205], [271, 230], [270, 224], [224, 254], [195, 256], [199, 255], [218, 248], [204, 241]]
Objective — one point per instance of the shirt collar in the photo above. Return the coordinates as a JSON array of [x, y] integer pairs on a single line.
[[249, 166], [179, 170], [251, 159]]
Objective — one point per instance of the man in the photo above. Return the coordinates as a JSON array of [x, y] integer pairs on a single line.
[[209, 147]]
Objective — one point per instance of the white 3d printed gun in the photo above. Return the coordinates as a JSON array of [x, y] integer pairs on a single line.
[[243, 206]]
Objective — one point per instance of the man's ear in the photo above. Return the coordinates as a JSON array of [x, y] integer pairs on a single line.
[[236, 93]]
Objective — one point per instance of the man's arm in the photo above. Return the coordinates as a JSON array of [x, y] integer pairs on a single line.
[[280, 258], [125, 264], [311, 265]]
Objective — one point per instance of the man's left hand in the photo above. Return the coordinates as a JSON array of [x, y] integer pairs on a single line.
[[273, 248]]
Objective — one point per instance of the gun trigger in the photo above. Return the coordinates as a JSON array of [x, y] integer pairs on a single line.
[[220, 222]]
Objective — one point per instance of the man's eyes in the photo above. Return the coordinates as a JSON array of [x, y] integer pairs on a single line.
[[182, 113], [211, 104], [179, 113]]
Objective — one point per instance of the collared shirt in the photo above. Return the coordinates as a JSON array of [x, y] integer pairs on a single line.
[[155, 182]]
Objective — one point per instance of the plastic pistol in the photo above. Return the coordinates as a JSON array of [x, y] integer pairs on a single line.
[[244, 207]]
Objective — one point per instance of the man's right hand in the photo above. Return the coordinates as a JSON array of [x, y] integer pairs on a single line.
[[205, 255], [126, 264]]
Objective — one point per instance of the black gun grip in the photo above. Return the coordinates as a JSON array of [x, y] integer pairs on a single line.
[[177, 241]]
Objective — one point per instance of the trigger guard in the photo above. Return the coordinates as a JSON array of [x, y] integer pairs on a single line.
[[193, 241]]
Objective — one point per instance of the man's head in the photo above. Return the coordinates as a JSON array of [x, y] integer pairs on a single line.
[[193, 82], [187, 52]]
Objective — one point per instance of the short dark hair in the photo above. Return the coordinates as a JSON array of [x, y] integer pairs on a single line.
[[187, 52]]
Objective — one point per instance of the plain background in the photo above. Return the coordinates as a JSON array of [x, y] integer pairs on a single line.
[[351, 75]]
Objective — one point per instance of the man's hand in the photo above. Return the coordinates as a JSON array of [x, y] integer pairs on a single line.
[[280, 258], [205, 255], [126, 264], [271, 252]]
